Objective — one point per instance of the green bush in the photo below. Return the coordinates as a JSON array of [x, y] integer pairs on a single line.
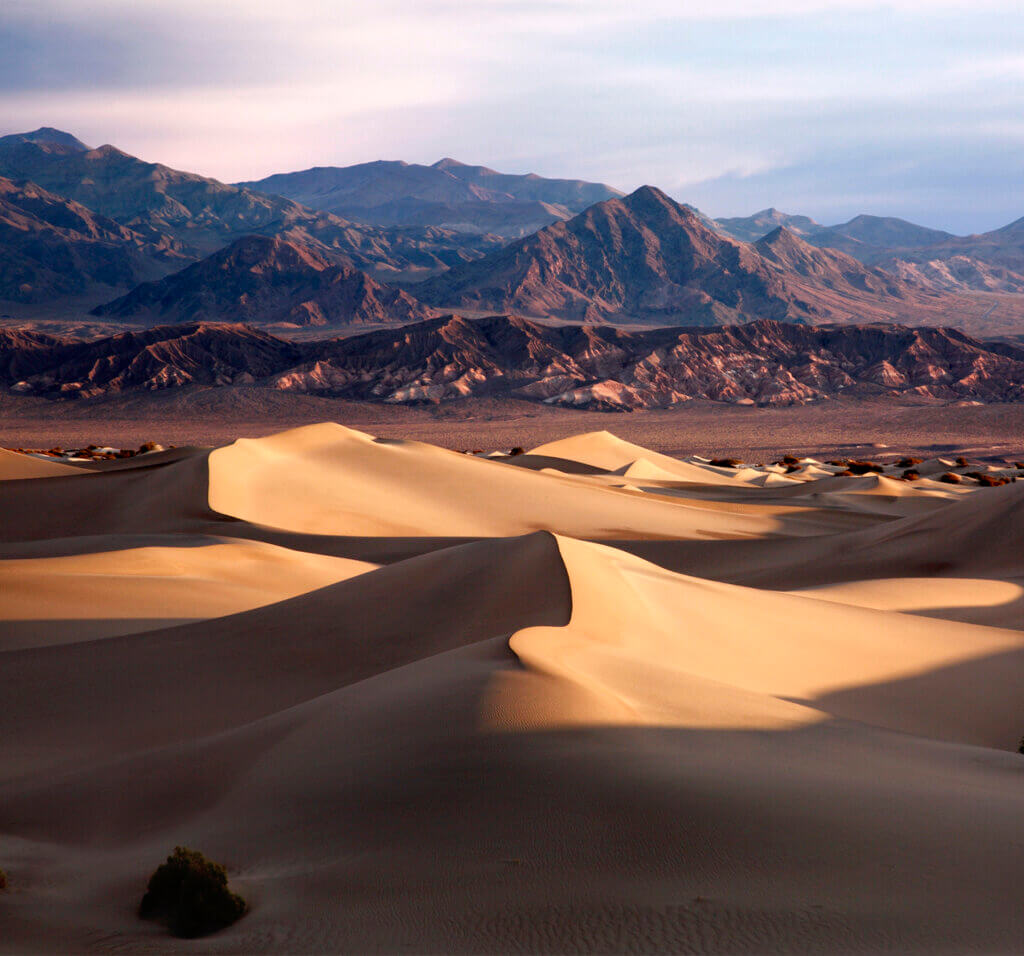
[[190, 894]]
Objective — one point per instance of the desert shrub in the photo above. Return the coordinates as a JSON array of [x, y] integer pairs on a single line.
[[1019, 464], [989, 481], [961, 462], [844, 474], [1020, 749], [863, 467], [190, 894], [949, 478], [3, 876], [148, 446], [911, 474], [908, 462], [838, 462], [725, 462], [517, 451], [790, 460]]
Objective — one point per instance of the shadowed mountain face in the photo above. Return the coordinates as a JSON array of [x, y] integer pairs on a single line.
[[266, 280], [200, 215], [581, 366], [54, 247], [646, 257], [165, 357], [448, 194]]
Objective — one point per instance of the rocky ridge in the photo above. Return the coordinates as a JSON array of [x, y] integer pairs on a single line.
[[594, 367]]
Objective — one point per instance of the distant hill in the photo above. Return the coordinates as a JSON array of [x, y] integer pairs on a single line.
[[929, 259], [648, 258], [48, 136], [596, 367], [448, 194], [266, 280], [752, 228]]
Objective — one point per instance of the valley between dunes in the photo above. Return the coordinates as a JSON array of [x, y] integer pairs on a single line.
[[590, 698]]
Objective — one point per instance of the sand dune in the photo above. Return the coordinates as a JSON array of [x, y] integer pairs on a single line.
[[431, 702], [15, 466], [327, 479], [150, 582]]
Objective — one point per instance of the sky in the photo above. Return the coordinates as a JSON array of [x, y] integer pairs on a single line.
[[826, 108]]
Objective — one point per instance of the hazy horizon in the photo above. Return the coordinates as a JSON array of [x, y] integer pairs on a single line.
[[824, 108]]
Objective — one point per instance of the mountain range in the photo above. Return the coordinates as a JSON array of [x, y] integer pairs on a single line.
[[594, 367], [138, 242], [646, 257], [447, 194], [929, 258]]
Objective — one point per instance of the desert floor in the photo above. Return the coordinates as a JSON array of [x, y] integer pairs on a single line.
[[592, 698], [217, 416]]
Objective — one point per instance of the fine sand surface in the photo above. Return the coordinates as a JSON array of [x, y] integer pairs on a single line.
[[591, 698]]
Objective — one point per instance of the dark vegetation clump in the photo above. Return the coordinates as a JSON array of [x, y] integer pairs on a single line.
[[791, 468], [1020, 749], [844, 474], [864, 467], [911, 474], [950, 478], [838, 462], [518, 450], [908, 462], [1019, 464], [147, 446], [3, 880], [790, 460], [961, 462], [988, 481], [190, 894], [725, 462]]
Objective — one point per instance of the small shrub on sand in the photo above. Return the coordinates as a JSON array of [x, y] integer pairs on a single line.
[[190, 894], [3, 876], [725, 462], [790, 460], [864, 467], [961, 462], [989, 481], [949, 478], [791, 468], [1020, 749], [845, 474], [908, 462], [517, 451], [911, 474]]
